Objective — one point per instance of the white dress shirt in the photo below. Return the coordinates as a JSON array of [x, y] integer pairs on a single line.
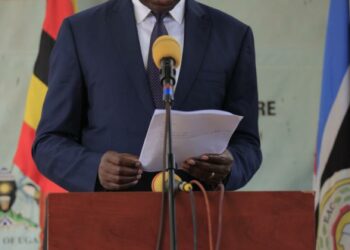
[[174, 23]]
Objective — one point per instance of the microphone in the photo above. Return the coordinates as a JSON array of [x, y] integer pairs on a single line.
[[157, 183], [166, 52], [166, 55]]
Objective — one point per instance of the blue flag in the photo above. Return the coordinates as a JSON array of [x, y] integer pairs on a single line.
[[332, 165]]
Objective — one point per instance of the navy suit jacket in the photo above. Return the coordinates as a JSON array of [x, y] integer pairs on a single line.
[[99, 98]]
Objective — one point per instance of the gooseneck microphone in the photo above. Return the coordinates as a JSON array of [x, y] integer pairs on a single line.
[[166, 52]]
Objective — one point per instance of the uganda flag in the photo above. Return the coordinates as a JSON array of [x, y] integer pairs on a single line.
[[56, 12], [332, 171]]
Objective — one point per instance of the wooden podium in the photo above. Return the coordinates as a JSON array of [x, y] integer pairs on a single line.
[[251, 220]]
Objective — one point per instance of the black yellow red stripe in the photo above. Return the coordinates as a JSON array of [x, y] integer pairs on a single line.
[[56, 12]]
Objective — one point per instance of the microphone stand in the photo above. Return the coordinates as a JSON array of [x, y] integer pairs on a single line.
[[167, 78]]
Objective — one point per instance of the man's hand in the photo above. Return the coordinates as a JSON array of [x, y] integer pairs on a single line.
[[210, 168], [119, 171]]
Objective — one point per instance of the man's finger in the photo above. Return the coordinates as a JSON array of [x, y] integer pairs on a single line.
[[123, 171], [122, 179], [122, 159], [202, 173], [216, 158], [214, 178], [210, 167], [129, 162], [130, 156]]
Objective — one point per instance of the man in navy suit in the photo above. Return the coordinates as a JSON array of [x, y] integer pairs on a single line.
[[99, 101]]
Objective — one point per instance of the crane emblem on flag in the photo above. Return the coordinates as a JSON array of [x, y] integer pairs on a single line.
[[334, 222]]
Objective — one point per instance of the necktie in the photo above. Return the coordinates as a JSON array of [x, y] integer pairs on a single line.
[[152, 70]]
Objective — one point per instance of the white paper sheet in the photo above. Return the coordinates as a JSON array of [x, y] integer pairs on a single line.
[[194, 133]]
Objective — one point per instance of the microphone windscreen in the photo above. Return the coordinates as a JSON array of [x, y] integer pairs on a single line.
[[166, 46], [157, 182]]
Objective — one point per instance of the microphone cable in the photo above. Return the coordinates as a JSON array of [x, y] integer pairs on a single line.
[[207, 205], [220, 214], [194, 219]]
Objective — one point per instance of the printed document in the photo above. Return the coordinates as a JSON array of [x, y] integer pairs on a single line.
[[193, 133]]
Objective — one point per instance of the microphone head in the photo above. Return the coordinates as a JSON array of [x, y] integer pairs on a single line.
[[166, 46]]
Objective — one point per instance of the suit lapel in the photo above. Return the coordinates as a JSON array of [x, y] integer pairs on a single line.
[[197, 31], [122, 24]]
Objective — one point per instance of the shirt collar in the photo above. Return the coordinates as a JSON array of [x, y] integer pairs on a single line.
[[178, 12], [141, 11]]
